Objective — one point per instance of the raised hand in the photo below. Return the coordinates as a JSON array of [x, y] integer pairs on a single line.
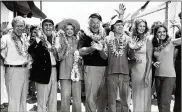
[[133, 42], [4, 29], [39, 35], [121, 9]]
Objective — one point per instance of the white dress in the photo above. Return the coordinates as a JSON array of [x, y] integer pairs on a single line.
[[141, 96]]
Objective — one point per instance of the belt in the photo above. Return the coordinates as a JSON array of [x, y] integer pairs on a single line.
[[53, 65], [25, 65]]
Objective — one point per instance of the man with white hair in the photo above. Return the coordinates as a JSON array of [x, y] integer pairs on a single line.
[[14, 47], [94, 64]]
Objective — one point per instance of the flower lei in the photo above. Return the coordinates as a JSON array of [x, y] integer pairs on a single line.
[[122, 42], [47, 44], [140, 43], [96, 37], [23, 47], [50, 46], [162, 46], [63, 45], [75, 74]]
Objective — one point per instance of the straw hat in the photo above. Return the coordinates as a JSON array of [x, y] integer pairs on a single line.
[[62, 25]]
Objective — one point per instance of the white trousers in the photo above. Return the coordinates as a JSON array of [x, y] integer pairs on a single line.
[[47, 94], [16, 79], [4, 94]]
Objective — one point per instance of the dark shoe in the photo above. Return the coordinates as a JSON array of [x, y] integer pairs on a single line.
[[5, 104], [1, 106], [32, 100]]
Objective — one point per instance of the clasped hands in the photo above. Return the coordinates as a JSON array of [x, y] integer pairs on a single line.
[[97, 45]]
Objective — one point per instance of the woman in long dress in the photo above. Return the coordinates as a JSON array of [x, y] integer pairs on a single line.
[[141, 70]]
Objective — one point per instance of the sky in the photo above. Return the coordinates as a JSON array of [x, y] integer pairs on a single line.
[[82, 10]]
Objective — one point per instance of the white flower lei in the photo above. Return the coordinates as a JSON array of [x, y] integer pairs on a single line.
[[96, 37], [122, 42], [63, 45], [75, 74], [50, 46], [21, 48]]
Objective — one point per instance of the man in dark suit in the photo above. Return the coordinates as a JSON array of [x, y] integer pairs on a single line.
[[44, 72]]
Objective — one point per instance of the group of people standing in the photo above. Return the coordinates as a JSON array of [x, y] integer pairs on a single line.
[[105, 60]]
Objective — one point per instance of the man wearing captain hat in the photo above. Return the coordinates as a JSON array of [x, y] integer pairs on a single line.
[[94, 64]]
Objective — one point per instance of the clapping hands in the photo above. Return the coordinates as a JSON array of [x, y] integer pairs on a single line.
[[97, 45]]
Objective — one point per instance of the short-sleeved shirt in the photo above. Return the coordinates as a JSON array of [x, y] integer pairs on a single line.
[[94, 58], [10, 52], [118, 64]]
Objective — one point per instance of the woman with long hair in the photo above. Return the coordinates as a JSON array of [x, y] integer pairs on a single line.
[[141, 69], [165, 75]]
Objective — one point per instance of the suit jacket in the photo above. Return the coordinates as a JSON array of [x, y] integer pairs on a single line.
[[41, 66]]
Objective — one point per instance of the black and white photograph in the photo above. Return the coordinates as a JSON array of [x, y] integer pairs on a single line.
[[90, 56]]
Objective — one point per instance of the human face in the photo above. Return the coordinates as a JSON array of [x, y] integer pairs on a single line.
[[69, 30], [141, 27], [94, 25], [19, 28], [48, 28], [161, 33], [118, 27], [34, 33]]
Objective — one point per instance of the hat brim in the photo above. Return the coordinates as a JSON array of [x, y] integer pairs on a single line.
[[64, 22]]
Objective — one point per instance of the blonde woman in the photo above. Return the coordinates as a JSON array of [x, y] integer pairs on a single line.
[[69, 74]]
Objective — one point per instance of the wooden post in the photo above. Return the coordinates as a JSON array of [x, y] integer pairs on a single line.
[[1, 13], [166, 13], [14, 8], [41, 8]]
